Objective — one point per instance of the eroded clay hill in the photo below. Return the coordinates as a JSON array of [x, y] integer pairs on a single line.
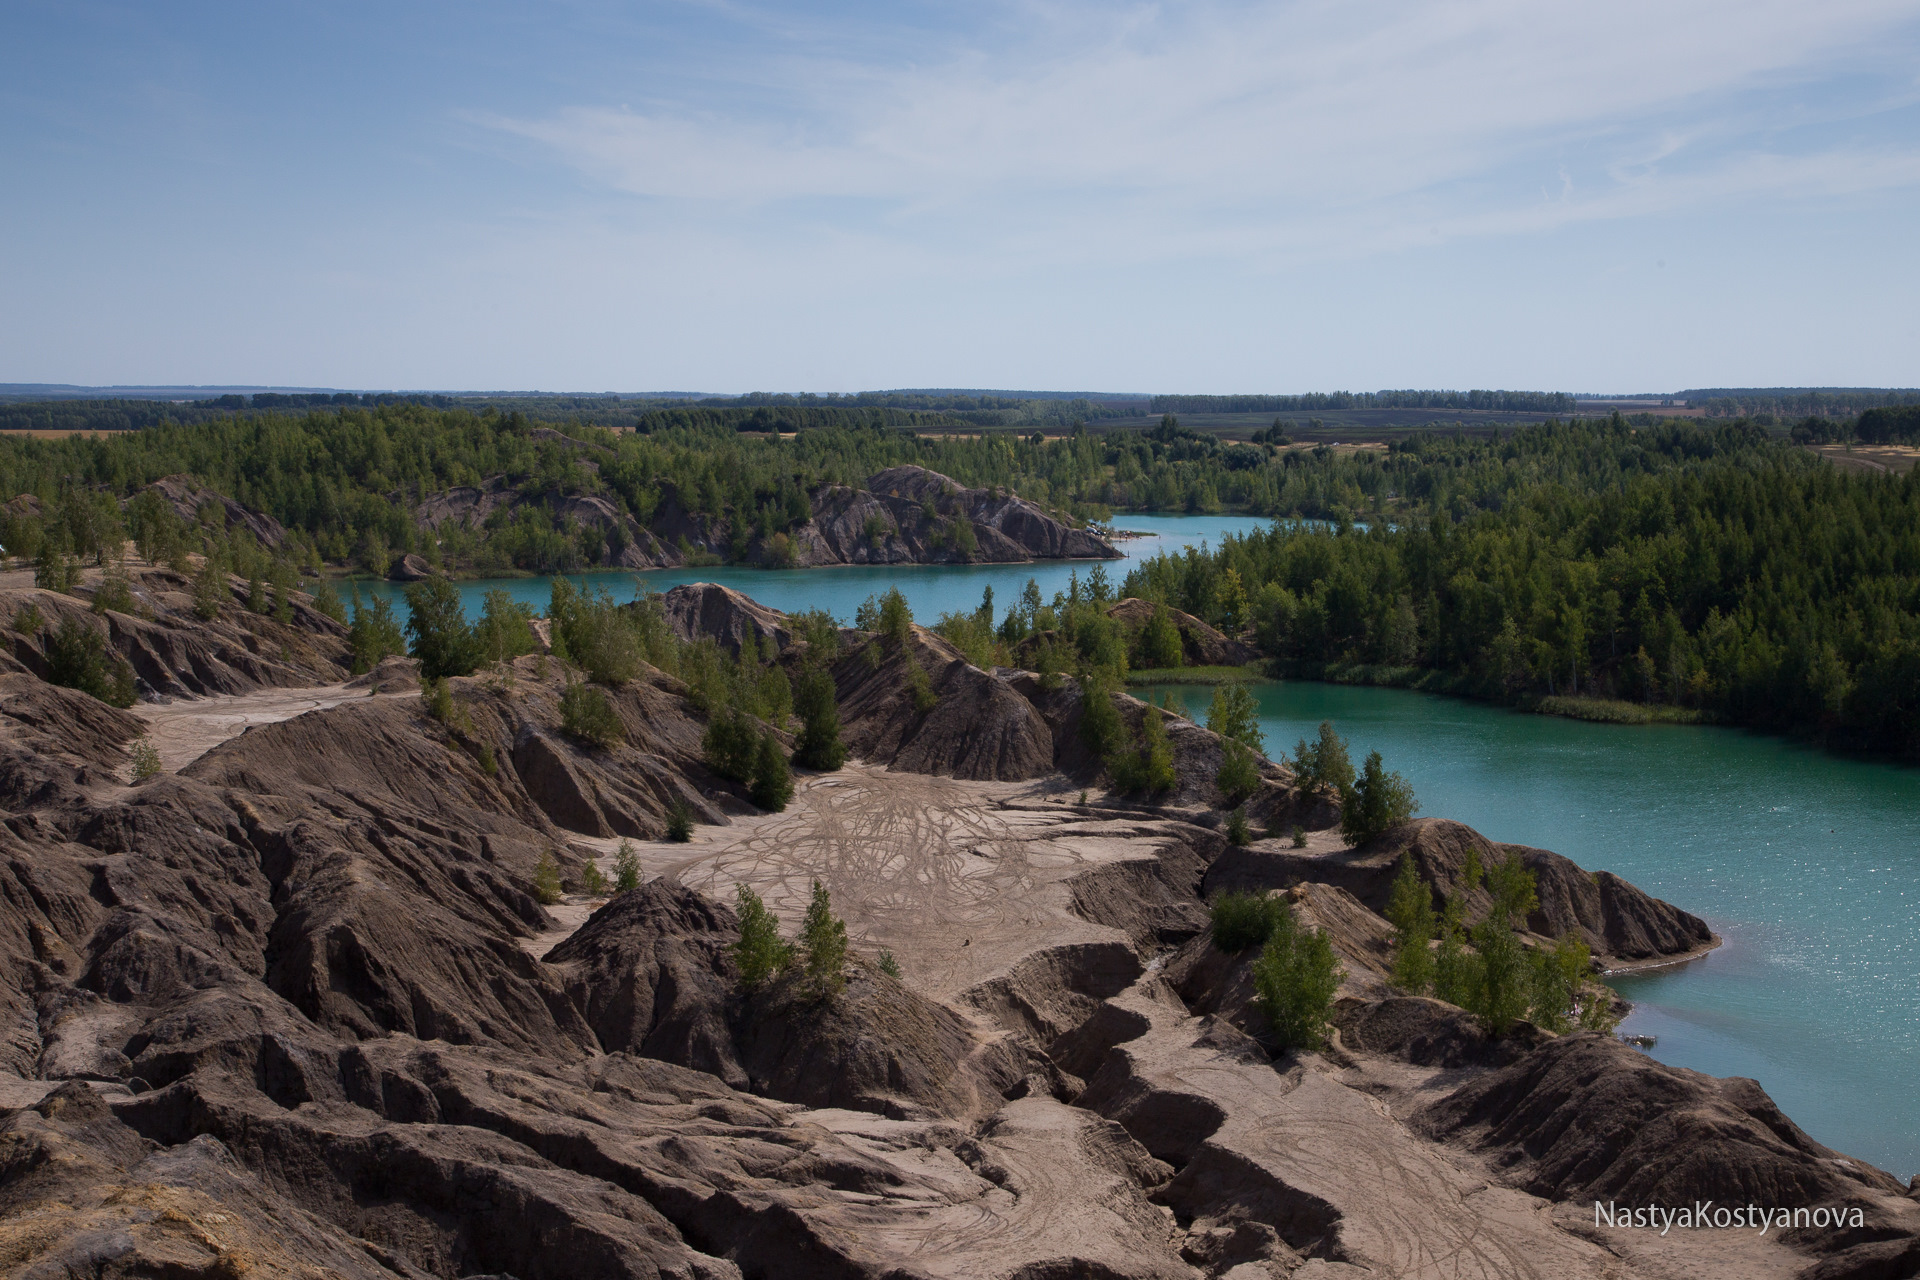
[[274, 1011]]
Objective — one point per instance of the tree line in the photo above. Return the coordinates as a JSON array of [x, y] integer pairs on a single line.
[[1706, 568], [1502, 401]]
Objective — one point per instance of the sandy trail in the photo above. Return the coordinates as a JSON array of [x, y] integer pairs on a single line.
[[188, 728], [960, 880]]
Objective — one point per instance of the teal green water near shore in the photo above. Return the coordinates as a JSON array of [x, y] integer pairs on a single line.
[[1806, 863]]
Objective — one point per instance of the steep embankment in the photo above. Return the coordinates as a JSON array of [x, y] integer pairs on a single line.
[[270, 1014], [904, 515]]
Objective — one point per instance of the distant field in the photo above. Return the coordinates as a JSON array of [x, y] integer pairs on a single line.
[[1898, 459], [54, 434]]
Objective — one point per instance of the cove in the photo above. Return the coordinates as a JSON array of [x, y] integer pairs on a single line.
[[1805, 863]]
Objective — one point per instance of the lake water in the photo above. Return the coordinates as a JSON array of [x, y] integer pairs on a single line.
[[1807, 864]]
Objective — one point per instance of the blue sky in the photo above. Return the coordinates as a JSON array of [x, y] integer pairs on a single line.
[[1176, 197]]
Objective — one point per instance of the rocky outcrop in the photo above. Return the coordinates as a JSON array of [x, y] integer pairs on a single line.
[[707, 610], [1620, 923], [978, 725], [188, 497], [1201, 645]]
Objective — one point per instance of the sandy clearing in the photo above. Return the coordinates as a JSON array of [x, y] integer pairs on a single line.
[[960, 880], [187, 728]]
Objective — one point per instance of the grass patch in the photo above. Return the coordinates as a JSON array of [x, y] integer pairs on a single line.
[[1197, 675], [1615, 711]]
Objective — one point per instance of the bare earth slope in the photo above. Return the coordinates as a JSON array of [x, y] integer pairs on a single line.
[[293, 1008]]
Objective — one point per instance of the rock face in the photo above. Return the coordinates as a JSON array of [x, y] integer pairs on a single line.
[[905, 515], [1620, 923], [706, 609], [188, 497], [1202, 645]]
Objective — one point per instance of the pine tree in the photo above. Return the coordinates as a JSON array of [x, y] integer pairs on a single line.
[[823, 937], [760, 953], [1411, 911], [819, 746], [626, 868], [772, 784]]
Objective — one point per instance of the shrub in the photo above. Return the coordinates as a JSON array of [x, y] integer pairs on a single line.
[[593, 881], [772, 784], [374, 636], [597, 634], [1235, 716], [438, 699], [760, 952], [679, 822], [55, 570], [257, 595], [488, 762], [114, 592], [504, 631], [819, 746], [920, 687], [1239, 777], [442, 639], [78, 658], [888, 965], [731, 745], [1238, 833], [210, 589], [1410, 909], [146, 760], [821, 632], [587, 715], [27, 619], [1158, 645], [1100, 725], [1295, 978], [546, 879], [1299, 837], [626, 867], [1376, 802], [1149, 766], [327, 601], [1242, 920], [1324, 762], [823, 937]]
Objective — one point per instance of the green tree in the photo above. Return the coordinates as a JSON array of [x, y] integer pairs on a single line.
[[78, 657], [1295, 979], [823, 937], [505, 629], [1239, 776], [327, 600], [1234, 715], [626, 867], [1453, 976], [731, 744], [1323, 762], [1159, 643], [1239, 833], [760, 952], [1230, 602], [441, 638], [586, 714], [819, 746], [679, 822], [772, 783], [374, 636], [1101, 727], [546, 879], [1375, 803], [1410, 910], [1500, 988], [1148, 766], [1238, 920]]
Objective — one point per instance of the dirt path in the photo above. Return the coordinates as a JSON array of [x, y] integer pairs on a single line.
[[960, 880], [188, 728]]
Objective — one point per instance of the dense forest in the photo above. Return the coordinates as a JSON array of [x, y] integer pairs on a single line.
[[346, 481], [1558, 402], [1788, 403], [1710, 569]]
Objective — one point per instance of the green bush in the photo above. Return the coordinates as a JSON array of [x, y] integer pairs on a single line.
[[823, 937], [1158, 645], [595, 633], [920, 686], [546, 879], [819, 746], [146, 760], [887, 964], [1235, 716], [626, 867], [1299, 837], [1239, 776], [1239, 833], [1410, 910], [593, 881], [760, 952], [442, 639], [1377, 802], [1323, 762], [1101, 727], [1295, 978], [1241, 920], [327, 600], [772, 784], [27, 619], [587, 715], [679, 822], [504, 631], [78, 658], [374, 636], [731, 744], [1149, 766], [114, 593]]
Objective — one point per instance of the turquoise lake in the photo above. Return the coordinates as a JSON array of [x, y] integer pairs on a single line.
[[1807, 864]]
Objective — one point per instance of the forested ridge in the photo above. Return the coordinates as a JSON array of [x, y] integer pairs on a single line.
[[1710, 569]]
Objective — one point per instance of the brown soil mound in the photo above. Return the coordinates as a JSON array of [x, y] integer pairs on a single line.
[[1202, 644]]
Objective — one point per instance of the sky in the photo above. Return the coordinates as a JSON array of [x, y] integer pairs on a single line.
[[722, 196]]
